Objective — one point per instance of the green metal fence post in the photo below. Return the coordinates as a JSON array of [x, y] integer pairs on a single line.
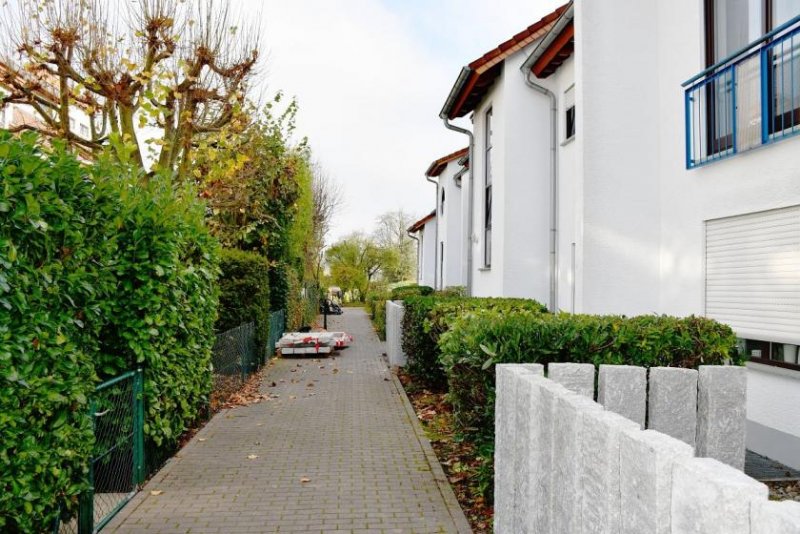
[[86, 504], [138, 427]]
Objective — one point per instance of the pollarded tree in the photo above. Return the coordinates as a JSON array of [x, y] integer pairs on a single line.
[[179, 69]]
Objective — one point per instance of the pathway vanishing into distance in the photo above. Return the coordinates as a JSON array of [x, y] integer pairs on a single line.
[[339, 450]]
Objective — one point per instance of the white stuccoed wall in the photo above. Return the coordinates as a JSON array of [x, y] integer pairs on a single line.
[[644, 213], [451, 231], [427, 261]]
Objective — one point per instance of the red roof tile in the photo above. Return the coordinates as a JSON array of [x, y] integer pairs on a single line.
[[436, 168]]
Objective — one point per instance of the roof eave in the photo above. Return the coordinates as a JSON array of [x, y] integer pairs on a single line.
[[566, 17]]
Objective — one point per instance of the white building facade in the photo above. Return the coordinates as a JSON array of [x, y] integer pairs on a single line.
[[424, 231], [658, 198], [449, 174]]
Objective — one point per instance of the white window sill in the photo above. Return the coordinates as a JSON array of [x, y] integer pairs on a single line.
[[568, 141], [485, 269]]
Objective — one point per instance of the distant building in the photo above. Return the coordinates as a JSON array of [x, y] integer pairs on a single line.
[[424, 231]]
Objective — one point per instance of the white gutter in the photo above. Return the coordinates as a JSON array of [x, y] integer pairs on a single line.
[[468, 133], [436, 242], [553, 188]]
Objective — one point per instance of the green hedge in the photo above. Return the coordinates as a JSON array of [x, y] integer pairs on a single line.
[[244, 292], [478, 340], [101, 271], [427, 318], [376, 308], [411, 290], [53, 251]]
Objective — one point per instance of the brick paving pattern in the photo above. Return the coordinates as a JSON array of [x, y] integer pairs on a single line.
[[338, 451]]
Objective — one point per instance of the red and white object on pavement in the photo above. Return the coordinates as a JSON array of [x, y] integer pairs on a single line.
[[312, 342]]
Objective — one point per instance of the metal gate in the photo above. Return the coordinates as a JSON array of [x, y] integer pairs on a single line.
[[117, 465]]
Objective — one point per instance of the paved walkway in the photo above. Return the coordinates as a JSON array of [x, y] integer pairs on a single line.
[[339, 450]]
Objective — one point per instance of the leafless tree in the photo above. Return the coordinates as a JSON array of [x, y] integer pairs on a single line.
[[180, 67], [391, 234], [328, 199]]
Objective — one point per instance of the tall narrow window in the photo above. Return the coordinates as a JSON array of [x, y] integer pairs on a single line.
[[569, 113], [441, 206], [487, 194]]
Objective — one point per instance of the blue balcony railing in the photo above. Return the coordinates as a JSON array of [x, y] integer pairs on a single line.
[[750, 99]]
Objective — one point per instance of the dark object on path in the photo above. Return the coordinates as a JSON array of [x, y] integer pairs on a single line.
[[328, 307], [304, 329]]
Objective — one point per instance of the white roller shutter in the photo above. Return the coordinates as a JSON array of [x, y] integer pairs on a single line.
[[753, 274]]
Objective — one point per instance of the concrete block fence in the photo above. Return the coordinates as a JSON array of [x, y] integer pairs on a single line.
[[565, 464], [394, 333]]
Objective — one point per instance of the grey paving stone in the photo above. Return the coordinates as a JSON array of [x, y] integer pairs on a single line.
[[622, 389], [722, 413], [351, 434], [505, 425]]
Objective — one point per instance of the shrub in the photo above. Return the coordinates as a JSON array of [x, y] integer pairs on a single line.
[[376, 308], [161, 314], [102, 271], [411, 290], [427, 318], [478, 340], [55, 225], [279, 286], [244, 292]]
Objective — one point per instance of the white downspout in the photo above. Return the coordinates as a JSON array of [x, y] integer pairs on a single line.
[[553, 188], [470, 211], [436, 238]]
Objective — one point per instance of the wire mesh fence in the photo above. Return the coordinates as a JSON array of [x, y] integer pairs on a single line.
[[234, 357], [117, 465], [277, 323]]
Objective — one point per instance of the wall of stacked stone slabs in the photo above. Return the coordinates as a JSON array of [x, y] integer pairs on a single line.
[[567, 464]]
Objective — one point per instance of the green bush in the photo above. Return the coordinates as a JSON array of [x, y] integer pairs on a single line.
[[411, 290], [427, 318], [376, 308], [101, 271], [54, 245], [478, 340], [244, 292], [279, 285]]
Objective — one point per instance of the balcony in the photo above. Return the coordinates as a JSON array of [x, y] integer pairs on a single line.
[[748, 100]]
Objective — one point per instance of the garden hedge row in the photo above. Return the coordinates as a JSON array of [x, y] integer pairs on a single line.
[[427, 318], [101, 271], [244, 292], [477, 340]]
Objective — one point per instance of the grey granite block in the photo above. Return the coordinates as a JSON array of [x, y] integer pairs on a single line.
[[567, 467], [521, 448], [535, 368], [623, 389], [672, 407], [771, 517], [709, 497], [545, 474], [505, 438], [722, 413], [599, 457], [647, 459], [576, 377]]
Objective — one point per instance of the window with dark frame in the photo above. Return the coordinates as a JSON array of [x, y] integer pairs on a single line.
[[569, 113], [487, 194], [730, 25]]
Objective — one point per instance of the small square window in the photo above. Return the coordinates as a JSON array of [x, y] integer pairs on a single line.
[[569, 113]]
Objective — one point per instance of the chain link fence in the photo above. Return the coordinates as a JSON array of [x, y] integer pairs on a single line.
[[277, 323]]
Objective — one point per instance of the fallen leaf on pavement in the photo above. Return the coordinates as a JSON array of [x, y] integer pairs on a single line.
[[252, 456], [201, 439], [305, 479], [156, 493]]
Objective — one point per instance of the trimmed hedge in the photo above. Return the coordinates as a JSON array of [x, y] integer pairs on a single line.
[[101, 271], [427, 318], [53, 252], [411, 290], [376, 307], [244, 292], [478, 340]]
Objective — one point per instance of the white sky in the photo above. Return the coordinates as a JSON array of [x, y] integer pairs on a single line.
[[371, 77]]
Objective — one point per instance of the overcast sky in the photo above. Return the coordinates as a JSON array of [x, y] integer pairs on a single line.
[[371, 77]]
